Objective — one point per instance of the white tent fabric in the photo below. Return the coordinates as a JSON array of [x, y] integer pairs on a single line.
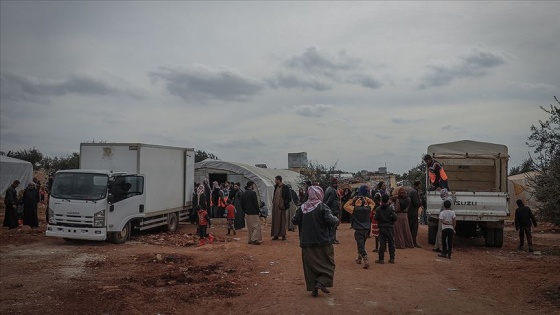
[[519, 188], [263, 177], [12, 169]]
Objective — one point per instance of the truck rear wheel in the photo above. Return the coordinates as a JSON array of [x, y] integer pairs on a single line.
[[499, 237], [432, 234], [122, 236], [172, 222], [489, 237]]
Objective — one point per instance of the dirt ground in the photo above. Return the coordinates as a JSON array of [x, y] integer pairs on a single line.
[[160, 273]]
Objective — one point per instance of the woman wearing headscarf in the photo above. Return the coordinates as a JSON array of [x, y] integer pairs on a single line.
[[30, 201], [200, 202], [403, 237], [317, 252]]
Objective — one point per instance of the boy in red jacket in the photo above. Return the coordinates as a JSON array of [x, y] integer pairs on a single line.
[[230, 216], [203, 224]]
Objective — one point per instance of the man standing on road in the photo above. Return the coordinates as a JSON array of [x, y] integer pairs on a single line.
[[11, 203], [523, 219], [235, 197], [250, 205], [415, 204], [331, 199], [386, 216], [280, 203]]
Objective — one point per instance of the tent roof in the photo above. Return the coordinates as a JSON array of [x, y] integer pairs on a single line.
[[522, 176], [12, 169], [7, 159], [252, 172], [469, 147], [263, 177]]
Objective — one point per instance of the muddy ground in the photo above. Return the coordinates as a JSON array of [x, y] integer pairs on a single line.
[[160, 273]]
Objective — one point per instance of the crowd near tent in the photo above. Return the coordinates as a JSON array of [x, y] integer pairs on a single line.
[[12, 169], [221, 171], [518, 188]]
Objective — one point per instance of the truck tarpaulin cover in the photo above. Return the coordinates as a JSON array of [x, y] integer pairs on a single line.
[[12, 169], [468, 148]]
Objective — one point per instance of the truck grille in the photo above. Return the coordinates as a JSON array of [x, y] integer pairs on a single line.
[[73, 220]]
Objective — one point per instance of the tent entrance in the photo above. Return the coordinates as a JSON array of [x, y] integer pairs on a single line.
[[217, 177]]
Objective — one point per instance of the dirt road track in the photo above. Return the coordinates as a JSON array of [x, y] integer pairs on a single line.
[[157, 274]]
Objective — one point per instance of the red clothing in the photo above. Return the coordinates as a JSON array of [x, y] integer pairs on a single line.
[[230, 211], [203, 217], [374, 227]]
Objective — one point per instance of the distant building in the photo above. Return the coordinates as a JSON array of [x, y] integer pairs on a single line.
[[297, 160]]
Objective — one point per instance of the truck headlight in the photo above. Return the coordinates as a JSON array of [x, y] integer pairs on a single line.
[[51, 216], [99, 218]]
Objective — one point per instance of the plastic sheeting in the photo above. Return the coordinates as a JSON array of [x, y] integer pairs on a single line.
[[12, 169], [263, 177]]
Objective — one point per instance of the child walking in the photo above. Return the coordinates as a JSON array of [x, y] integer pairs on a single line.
[[374, 226], [203, 223], [230, 216], [360, 208], [447, 218]]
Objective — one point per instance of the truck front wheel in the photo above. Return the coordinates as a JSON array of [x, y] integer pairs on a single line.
[[122, 236], [172, 222]]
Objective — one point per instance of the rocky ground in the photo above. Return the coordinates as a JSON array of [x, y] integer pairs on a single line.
[[161, 273]]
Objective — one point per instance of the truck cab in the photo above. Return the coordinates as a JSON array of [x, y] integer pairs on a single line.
[[94, 205]]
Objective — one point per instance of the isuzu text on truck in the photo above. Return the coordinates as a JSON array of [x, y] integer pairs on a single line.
[[119, 187], [477, 178]]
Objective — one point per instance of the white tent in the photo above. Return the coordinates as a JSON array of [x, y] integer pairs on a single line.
[[238, 172], [12, 169], [518, 188]]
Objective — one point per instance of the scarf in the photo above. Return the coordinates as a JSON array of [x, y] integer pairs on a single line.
[[315, 194], [199, 191], [215, 185]]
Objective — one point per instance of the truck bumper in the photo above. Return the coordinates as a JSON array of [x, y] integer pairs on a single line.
[[79, 233]]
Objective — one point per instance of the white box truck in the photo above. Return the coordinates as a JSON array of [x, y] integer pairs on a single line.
[[120, 187], [477, 178]]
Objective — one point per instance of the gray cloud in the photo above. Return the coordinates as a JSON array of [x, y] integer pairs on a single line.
[[317, 110], [402, 121], [201, 83], [19, 88], [365, 81], [291, 81], [245, 143], [474, 63], [529, 86], [318, 70], [315, 61]]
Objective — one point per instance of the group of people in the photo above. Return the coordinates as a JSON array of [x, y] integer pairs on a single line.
[[21, 208]]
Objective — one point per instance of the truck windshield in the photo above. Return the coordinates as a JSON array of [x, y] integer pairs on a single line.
[[81, 186]]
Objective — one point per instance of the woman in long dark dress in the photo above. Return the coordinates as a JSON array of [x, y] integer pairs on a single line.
[[403, 236], [31, 199], [314, 219]]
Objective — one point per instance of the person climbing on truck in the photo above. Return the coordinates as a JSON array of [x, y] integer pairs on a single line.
[[438, 178]]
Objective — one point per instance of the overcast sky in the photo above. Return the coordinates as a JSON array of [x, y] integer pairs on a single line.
[[366, 84]]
